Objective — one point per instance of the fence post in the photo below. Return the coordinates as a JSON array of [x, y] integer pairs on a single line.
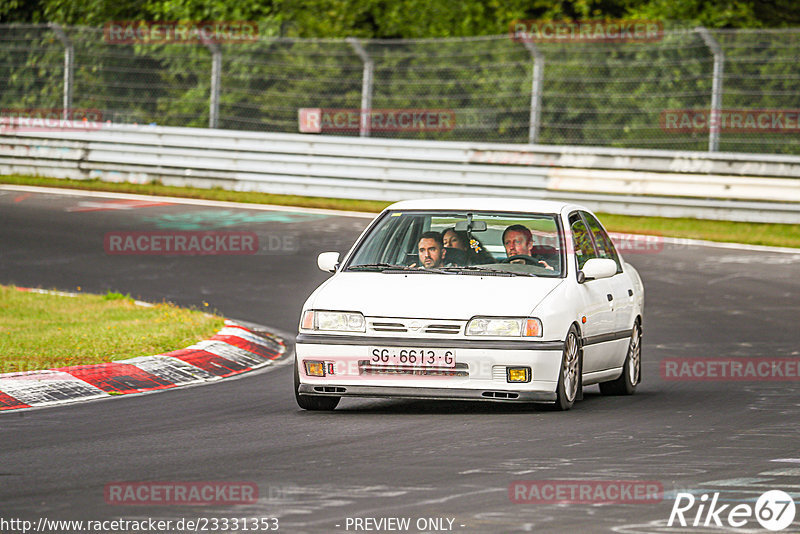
[[536, 90], [716, 88], [69, 67], [366, 86], [216, 82]]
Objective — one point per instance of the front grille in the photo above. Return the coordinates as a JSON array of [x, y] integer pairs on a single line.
[[443, 329], [365, 367], [389, 327], [415, 327]]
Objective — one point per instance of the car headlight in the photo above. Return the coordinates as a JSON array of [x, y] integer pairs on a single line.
[[505, 327], [333, 321]]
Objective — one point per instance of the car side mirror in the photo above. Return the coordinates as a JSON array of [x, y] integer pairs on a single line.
[[597, 268], [328, 261]]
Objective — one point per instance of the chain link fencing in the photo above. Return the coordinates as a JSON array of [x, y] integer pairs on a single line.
[[614, 94]]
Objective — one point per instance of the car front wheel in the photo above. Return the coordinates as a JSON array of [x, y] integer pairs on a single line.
[[569, 378], [631, 369]]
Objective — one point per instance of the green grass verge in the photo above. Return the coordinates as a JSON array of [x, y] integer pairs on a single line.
[[42, 331], [773, 235], [777, 235]]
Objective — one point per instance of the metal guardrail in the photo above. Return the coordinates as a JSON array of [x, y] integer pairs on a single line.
[[732, 186]]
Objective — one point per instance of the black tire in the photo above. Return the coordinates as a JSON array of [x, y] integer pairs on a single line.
[[312, 402], [631, 369], [569, 376]]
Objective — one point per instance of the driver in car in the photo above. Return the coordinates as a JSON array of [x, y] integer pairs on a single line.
[[518, 241]]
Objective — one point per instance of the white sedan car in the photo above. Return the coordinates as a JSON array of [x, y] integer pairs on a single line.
[[473, 299]]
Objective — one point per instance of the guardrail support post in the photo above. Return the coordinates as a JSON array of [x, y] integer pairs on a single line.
[[216, 83], [536, 90], [69, 67], [716, 88], [366, 86]]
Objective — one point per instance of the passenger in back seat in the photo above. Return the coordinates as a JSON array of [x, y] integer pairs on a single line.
[[474, 251]]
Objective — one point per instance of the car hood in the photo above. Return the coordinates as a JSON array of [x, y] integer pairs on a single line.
[[436, 296]]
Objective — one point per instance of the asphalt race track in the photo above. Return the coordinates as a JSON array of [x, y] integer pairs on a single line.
[[381, 459]]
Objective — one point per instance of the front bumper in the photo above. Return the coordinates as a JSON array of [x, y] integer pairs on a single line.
[[480, 372], [494, 395]]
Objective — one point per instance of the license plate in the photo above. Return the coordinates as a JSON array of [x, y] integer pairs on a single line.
[[408, 357]]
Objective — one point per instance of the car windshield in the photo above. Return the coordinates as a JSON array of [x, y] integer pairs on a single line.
[[453, 242]]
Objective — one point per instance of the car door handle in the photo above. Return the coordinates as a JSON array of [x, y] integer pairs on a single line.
[[610, 297], [630, 292]]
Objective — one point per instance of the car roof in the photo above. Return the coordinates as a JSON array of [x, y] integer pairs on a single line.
[[486, 204]]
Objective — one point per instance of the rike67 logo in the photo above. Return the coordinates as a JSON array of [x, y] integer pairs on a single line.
[[774, 510]]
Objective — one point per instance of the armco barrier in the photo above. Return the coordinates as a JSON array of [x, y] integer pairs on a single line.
[[728, 186]]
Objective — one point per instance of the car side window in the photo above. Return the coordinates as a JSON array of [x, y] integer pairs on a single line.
[[384, 247], [581, 241], [605, 247]]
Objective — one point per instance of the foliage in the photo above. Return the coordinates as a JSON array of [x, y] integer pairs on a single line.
[[608, 94], [407, 18]]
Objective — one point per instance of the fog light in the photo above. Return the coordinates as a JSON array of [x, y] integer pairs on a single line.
[[518, 374], [315, 368]]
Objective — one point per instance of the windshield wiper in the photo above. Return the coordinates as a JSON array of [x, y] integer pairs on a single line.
[[466, 268], [485, 270], [377, 266], [385, 267]]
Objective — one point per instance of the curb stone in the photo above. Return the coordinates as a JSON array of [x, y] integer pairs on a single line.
[[237, 348]]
